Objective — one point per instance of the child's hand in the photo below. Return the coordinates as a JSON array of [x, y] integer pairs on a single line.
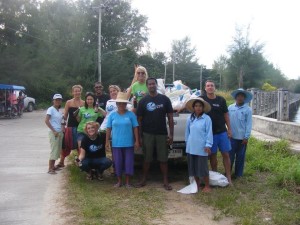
[[207, 150]]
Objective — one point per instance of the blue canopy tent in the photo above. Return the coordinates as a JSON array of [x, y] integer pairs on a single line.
[[11, 87]]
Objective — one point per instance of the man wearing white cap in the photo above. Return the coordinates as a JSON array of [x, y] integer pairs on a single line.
[[53, 120], [240, 115]]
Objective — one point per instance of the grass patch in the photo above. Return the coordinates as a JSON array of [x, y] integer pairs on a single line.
[[269, 191], [98, 202]]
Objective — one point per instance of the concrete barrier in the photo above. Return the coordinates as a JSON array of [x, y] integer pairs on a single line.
[[281, 129]]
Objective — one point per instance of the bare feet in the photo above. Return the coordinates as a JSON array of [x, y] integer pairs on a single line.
[[206, 190]]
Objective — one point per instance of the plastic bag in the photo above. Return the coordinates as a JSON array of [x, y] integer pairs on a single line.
[[161, 86], [217, 179], [192, 188]]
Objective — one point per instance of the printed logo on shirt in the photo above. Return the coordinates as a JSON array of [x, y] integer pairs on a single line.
[[87, 115], [216, 105], [110, 108], [94, 148], [151, 106], [139, 94]]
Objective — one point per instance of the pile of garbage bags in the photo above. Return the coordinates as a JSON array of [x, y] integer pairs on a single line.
[[177, 92]]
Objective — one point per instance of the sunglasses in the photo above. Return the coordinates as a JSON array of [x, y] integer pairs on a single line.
[[98, 87]]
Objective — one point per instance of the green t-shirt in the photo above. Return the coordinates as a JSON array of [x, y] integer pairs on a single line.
[[87, 115], [138, 89]]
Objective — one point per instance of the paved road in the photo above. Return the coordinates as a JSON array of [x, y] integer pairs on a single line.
[[25, 184]]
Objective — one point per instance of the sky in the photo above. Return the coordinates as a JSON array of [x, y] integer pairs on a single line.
[[211, 25]]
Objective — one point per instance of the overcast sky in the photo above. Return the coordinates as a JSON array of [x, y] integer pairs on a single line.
[[211, 25]]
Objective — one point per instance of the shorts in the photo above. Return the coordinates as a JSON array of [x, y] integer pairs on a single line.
[[55, 144], [80, 136], [152, 142], [197, 165], [222, 142]]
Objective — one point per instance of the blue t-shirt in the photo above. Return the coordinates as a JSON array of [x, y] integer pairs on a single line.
[[122, 128]]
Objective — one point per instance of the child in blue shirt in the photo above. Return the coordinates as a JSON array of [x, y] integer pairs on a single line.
[[199, 140]]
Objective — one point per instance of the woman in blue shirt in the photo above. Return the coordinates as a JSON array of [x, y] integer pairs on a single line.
[[199, 140], [122, 126]]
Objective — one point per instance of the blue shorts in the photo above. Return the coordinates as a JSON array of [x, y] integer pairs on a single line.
[[80, 136], [222, 142]]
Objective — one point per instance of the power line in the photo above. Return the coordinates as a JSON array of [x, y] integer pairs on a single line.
[[26, 34]]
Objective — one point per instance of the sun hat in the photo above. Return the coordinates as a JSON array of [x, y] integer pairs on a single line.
[[122, 97], [57, 96], [190, 102], [248, 95]]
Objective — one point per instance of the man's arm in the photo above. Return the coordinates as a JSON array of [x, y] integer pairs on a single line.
[[227, 121], [140, 132], [171, 127]]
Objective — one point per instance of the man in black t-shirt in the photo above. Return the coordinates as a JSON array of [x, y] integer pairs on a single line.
[[151, 112], [101, 98], [221, 128]]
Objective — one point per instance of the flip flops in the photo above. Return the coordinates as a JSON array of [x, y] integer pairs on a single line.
[[167, 187], [52, 172]]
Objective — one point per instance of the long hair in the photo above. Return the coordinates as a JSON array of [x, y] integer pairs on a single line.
[[193, 116], [87, 95]]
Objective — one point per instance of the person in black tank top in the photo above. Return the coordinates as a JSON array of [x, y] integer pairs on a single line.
[[72, 122], [70, 137]]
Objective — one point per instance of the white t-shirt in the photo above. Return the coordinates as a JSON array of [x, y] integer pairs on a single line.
[[111, 106], [55, 118]]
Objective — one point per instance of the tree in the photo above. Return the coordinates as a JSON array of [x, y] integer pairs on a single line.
[[50, 45], [183, 52]]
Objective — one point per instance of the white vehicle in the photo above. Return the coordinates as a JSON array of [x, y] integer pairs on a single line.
[[29, 102]]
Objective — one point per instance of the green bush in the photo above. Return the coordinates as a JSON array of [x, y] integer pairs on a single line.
[[268, 87]]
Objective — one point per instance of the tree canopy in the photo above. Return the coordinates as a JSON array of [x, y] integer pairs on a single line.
[[48, 46]]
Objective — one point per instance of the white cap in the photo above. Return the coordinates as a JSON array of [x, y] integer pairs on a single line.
[[57, 96]]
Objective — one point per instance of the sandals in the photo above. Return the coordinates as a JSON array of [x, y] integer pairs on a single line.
[[52, 172], [140, 185], [89, 176], [168, 187], [57, 168], [100, 177], [117, 185], [60, 165]]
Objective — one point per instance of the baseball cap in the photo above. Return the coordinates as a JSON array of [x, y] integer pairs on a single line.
[[57, 96]]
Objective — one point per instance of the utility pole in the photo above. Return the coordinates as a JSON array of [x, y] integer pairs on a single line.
[[201, 79], [99, 43], [173, 66], [165, 71]]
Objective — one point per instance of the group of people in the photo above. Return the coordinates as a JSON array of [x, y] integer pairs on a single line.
[[212, 126], [102, 123]]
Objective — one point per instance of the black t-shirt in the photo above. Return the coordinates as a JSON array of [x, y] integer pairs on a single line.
[[94, 148], [102, 100], [153, 111], [218, 108]]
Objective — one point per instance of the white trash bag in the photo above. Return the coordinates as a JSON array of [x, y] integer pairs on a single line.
[[217, 179], [190, 189]]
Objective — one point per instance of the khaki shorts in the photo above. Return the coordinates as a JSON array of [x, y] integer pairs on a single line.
[[158, 142], [56, 145]]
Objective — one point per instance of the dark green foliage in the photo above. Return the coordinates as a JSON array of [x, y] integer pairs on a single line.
[[49, 46]]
